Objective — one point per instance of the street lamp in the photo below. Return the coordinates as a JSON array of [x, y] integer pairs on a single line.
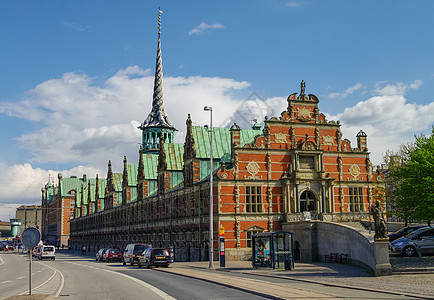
[[209, 108]]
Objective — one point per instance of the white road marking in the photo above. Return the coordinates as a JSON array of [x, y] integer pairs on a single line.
[[21, 277], [1, 261], [5, 281], [146, 285]]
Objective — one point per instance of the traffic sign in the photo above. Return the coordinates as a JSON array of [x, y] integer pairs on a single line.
[[31, 237]]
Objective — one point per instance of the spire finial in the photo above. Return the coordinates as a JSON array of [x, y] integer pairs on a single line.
[[159, 20]]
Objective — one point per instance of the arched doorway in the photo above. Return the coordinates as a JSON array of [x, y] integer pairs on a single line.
[[307, 201]]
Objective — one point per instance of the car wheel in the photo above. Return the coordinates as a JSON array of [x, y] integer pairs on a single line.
[[409, 251], [123, 262], [54, 258]]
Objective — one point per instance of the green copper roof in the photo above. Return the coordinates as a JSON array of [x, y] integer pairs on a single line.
[[70, 184], [174, 156], [150, 163], [221, 140]]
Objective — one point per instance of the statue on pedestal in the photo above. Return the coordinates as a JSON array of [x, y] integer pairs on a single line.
[[379, 221]]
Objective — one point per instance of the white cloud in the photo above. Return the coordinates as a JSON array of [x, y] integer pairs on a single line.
[[204, 27], [87, 124], [76, 27], [21, 185], [398, 88], [388, 118], [347, 92], [293, 4]]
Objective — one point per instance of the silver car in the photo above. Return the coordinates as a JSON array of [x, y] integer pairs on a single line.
[[420, 240]]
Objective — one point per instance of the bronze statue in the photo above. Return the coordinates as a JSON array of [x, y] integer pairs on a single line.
[[303, 87], [379, 221]]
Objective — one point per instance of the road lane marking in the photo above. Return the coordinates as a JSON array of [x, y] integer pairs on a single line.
[[5, 281], [21, 277], [55, 271], [145, 284], [1, 260]]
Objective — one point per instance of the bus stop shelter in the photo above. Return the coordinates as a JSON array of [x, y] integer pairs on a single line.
[[273, 250]]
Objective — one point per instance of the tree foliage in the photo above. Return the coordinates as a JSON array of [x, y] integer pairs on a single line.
[[413, 196]]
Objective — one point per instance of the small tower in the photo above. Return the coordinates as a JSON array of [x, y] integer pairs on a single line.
[[157, 125], [362, 141]]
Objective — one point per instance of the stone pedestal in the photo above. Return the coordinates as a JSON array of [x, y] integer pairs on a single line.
[[382, 262]]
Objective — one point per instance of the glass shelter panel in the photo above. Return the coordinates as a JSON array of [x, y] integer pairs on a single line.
[[273, 250]]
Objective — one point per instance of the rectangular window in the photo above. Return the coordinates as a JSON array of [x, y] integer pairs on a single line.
[[249, 235], [355, 195], [253, 199], [307, 162]]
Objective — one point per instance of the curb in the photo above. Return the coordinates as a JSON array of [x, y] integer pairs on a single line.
[[313, 282]]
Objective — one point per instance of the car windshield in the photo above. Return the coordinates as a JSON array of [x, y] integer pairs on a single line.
[[139, 248], [159, 252]]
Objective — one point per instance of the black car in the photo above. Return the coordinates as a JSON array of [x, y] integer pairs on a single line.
[[154, 257], [132, 253], [403, 232]]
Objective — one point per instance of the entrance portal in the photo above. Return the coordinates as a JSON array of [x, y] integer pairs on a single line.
[[307, 201]]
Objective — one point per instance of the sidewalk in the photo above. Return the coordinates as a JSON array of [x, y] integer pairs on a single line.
[[332, 274]]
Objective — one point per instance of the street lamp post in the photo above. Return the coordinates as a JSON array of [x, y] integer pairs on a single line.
[[211, 265]]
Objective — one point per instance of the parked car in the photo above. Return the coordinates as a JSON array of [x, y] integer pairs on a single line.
[[47, 252], [409, 244], [132, 253], [100, 254], [112, 255], [4, 246], [403, 232], [154, 257]]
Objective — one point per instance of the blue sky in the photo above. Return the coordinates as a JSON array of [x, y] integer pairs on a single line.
[[76, 76]]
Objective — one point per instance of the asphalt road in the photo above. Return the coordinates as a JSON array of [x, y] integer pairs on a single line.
[[77, 277]]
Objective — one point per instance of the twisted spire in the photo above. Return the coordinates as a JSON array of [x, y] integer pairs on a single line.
[[157, 117]]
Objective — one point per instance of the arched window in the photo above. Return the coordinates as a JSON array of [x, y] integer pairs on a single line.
[[307, 201]]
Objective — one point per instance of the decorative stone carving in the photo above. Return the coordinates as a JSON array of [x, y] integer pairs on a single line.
[[340, 168], [292, 134], [369, 168], [317, 139], [269, 166], [304, 114], [270, 200], [280, 138], [328, 140], [354, 170], [339, 139], [253, 169], [238, 232], [237, 199]]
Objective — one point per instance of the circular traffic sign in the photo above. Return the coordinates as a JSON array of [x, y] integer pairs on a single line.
[[31, 237]]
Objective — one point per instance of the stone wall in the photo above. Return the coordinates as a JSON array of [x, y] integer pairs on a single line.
[[317, 239]]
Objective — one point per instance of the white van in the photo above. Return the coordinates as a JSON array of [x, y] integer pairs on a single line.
[[47, 252]]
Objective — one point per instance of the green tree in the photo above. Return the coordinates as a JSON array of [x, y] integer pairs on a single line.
[[413, 196]]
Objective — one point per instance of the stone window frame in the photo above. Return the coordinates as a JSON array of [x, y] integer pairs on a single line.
[[356, 199], [253, 206], [250, 232]]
